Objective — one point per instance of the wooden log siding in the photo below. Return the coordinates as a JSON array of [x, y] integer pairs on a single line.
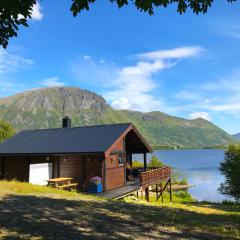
[[154, 176]]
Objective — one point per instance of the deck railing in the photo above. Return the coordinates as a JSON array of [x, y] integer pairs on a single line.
[[153, 176]]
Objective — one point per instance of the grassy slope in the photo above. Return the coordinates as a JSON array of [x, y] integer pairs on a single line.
[[33, 212]]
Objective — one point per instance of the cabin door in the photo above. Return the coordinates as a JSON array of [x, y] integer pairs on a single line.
[[39, 173]]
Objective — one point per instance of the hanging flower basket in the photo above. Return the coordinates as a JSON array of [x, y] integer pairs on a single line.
[[95, 185]]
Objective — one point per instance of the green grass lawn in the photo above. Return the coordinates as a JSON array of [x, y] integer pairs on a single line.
[[33, 212]]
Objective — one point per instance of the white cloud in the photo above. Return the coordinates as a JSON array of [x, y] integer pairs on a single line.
[[87, 57], [36, 12], [134, 84], [187, 95], [176, 53], [121, 103], [52, 82], [10, 63], [227, 30], [203, 115]]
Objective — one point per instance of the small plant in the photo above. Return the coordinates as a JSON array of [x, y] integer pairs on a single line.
[[96, 180]]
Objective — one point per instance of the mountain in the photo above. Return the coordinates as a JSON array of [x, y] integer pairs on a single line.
[[44, 108], [237, 136]]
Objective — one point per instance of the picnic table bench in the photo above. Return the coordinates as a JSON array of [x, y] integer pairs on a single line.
[[62, 183]]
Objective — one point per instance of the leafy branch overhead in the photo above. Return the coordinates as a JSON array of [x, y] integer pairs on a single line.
[[16, 13]]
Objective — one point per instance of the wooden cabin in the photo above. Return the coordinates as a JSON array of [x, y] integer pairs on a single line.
[[80, 153]]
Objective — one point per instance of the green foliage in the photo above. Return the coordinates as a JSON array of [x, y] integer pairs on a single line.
[[6, 130], [183, 197], [136, 164], [182, 181], [149, 5], [11, 10], [230, 168], [155, 162], [14, 13]]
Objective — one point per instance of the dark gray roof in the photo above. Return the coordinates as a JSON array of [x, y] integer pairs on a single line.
[[88, 139]]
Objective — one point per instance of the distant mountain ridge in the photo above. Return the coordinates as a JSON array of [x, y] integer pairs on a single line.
[[237, 136], [44, 108]]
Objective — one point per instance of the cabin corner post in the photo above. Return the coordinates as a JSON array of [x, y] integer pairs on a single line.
[[145, 161], [125, 160], [104, 172], [2, 167], [28, 168], [170, 189]]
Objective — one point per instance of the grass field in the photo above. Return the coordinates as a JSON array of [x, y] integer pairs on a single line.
[[33, 212]]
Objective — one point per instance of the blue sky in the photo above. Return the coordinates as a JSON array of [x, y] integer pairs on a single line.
[[187, 66]]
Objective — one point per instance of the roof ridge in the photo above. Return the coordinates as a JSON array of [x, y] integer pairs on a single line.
[[85, 126]]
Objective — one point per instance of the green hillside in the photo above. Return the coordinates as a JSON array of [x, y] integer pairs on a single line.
[[44, 108]]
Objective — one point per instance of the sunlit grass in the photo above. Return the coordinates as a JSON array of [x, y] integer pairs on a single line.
[[33, 212]]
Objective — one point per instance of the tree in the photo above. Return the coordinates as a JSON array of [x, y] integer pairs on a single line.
[[155, 162], [15, 13], [6, 130], [230, 168]]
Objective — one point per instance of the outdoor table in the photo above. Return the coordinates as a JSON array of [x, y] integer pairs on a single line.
[[58, 182]]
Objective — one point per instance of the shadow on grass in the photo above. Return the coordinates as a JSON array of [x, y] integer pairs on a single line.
[[227, 207], [25, 217]]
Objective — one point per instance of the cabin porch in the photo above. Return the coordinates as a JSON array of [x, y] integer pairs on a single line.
[[153, 180]]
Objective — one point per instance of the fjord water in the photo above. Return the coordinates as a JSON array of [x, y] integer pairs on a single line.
[[200, 167]]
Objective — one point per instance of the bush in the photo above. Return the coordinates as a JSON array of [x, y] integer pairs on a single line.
[[155, 162], [179, 181], [230, 168], [6, 130]]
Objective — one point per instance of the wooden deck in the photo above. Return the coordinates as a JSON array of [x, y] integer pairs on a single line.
[[121, 192], [146, 179]]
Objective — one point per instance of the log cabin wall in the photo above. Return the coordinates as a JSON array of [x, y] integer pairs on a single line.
[[81, 168], [115, 172], [15, 168], [18, 167], [71, 166], [1, 167]]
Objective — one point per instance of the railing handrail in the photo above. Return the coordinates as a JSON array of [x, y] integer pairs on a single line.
[[153, 176]]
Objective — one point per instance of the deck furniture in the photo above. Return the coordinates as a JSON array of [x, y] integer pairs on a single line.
[[62, 183], [129, 175]]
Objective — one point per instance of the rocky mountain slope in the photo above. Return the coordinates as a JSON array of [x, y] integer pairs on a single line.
[[44, 108]]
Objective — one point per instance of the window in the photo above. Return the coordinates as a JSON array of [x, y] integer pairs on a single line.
[[120, 159]]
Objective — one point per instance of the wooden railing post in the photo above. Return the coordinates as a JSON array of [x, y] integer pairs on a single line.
[[145, 161]]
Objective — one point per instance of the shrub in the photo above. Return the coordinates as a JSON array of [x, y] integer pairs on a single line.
[[155, 162], [6, 130], [230, 168]]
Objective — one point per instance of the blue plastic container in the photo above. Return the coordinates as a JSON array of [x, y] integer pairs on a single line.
[[93, 188]]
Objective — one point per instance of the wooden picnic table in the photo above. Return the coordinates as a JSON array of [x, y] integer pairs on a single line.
[[62, 182]]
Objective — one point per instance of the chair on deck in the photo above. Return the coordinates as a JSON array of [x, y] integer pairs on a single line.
[[135, 173], [129, 175]]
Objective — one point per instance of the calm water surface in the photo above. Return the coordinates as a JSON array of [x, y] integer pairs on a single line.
[[200, 167]]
